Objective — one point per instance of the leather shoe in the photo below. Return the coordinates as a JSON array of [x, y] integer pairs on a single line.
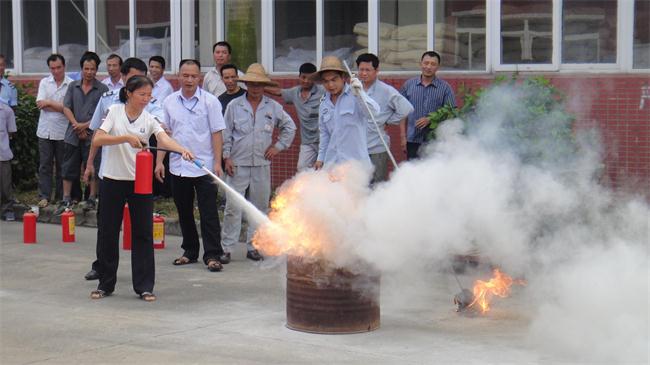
[[92, 275], [254, 255], [225, 258]]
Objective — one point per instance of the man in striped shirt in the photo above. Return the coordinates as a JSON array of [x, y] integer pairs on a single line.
[[427, 93]]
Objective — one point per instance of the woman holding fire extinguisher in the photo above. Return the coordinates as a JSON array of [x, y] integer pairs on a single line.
[[122, 133]]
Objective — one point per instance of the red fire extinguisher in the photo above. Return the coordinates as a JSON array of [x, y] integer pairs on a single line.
[[29, 227], [143, 172], [126, 228], [158, 231], [67, 225]]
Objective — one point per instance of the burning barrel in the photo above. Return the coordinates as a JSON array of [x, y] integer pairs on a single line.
[[330, 300]]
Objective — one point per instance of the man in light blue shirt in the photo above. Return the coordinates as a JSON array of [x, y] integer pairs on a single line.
[[193, 116], [342, 117], [393, 108], [8, 92]]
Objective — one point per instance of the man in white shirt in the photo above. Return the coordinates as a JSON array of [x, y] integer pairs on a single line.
[[161, 87], [212, 81], [114, 79], [52, 125]]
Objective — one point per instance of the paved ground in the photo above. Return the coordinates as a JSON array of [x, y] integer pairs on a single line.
[[233, 317]]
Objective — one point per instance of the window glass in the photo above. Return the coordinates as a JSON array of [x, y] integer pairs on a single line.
[[402, 34], [295, 34], [346, 29], [589, 31], [205, 30], [460, 34], [243, 31], [73, 31], [152, 27], [112, 36], [526, 31], [642, 34], [6, 33], [37, 35]]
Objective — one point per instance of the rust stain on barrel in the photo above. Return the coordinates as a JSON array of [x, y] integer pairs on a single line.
[[322, 299]]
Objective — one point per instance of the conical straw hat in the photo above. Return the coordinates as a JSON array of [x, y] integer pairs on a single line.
[[256, 73], [330, 63]]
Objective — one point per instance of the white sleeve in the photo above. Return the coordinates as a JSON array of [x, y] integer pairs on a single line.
[[109, 121]]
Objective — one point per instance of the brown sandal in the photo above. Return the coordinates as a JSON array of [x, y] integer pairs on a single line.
[[148, 297], [183, 261], [214, 265]]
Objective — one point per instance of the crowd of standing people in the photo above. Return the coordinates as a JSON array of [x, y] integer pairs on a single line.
[[228, 120]]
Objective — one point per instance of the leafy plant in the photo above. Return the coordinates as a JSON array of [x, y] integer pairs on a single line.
[[24, 144]]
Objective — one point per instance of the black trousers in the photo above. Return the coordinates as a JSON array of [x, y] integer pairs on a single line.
[[183, 190], [412, 150], [114, 194], [164, 188]]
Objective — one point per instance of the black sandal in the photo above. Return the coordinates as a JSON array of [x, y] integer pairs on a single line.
[[148, 297], [183, 261], [98, 294], [214, 265]]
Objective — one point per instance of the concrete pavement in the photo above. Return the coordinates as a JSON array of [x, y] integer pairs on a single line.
[[233, 317]]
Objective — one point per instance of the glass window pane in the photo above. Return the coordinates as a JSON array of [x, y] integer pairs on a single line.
[[641, 34], [346, 28], [589, 31], [402, 34], [205, 30], [73, 31], [243, 31], [6, 33], [112, 34], [460, 34], [526, 31], [37, 35], [295, 34], [152, 37]]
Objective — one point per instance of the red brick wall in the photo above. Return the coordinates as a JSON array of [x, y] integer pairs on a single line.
[[610, 102]]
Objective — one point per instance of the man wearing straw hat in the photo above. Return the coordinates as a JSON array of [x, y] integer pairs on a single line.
[[342, 116], [248, 151]]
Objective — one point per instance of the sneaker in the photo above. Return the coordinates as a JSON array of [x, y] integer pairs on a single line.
[[10, 216], [225, 258], [89, 204], [43, 203], [254, 255], [63, 205]]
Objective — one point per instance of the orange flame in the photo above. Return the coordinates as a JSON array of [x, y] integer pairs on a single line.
[[498, 285]]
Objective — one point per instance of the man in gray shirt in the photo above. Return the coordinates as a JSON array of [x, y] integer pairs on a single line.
[[306, 97], [78, 106]]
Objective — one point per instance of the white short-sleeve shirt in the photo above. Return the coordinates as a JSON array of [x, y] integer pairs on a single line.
[[119, 159]]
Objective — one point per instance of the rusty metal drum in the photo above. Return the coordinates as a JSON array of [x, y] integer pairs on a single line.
[[330, 300]]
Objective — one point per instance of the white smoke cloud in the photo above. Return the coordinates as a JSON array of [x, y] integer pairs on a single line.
[[582, 248]]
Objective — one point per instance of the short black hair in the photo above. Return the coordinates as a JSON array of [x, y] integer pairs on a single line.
[[189, 61], [431, 54], [223, 44], [55, 56], [158, 59], [115, 55], [368, 57], [307, 68], [228, 66], [133, 62], [89, 56], [133, 84]]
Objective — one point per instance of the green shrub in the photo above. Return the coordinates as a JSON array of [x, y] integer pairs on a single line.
[[25, 143]]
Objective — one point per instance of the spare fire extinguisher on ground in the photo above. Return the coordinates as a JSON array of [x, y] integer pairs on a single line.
[[158, 231], [143, 172], [29, 227], [67, 225], [126, 228]]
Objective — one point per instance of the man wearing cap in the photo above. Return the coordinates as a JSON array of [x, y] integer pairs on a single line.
[[394, 107], [306, 97], [248, 151], [342, 116], [427, 93]]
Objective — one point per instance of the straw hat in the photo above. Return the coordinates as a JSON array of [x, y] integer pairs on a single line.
[[256, 73], [330, 63]]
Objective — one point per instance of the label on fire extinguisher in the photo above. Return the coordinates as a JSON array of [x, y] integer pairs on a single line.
[[158, 232], [71, 226]]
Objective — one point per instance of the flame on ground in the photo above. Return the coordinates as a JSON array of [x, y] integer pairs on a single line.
[[499, 285]]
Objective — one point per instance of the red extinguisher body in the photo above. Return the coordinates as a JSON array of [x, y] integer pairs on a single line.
[[126, 228], [29, 227], [158, 232], [68, 226], [143, 172]]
